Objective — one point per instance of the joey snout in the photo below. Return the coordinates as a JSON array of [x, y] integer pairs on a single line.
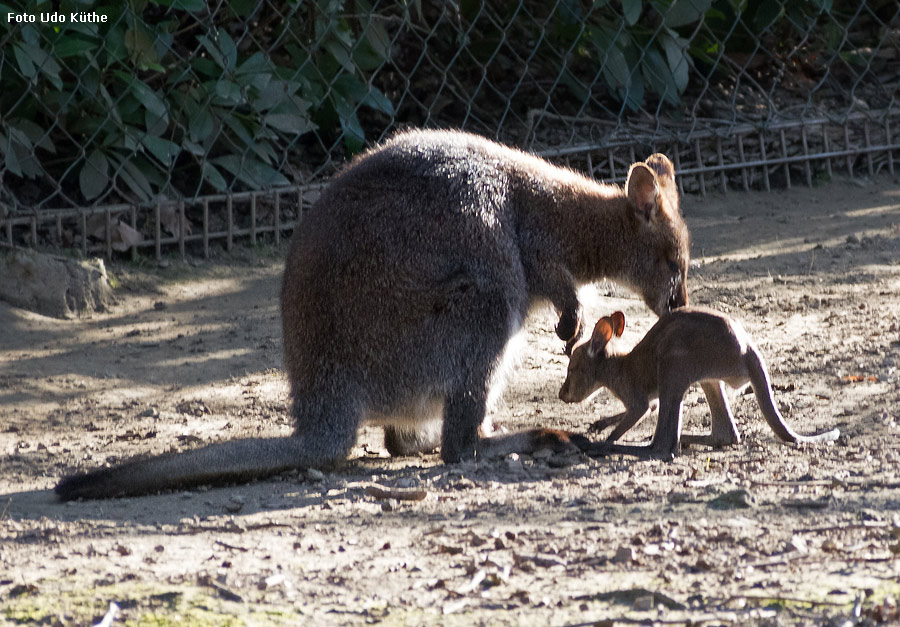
[[572, 391]]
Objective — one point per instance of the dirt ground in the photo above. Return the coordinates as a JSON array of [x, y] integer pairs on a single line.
[[761, 533]]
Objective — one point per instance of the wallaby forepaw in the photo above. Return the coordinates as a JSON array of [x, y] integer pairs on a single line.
[[570, 328]]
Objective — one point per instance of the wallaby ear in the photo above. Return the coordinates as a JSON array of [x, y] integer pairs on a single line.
[[603, 332], [660, 164], [618, 323], [665, 176], [642, 190]]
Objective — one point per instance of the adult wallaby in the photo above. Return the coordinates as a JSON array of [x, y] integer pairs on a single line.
[[404, 285], [685, 346]]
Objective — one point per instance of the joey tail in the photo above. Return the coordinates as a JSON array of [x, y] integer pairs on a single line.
[[762, 388]]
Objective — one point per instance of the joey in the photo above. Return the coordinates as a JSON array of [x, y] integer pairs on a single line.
[[685, 346]]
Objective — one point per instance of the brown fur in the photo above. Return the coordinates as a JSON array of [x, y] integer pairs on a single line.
[[685, 346], [405, 284]]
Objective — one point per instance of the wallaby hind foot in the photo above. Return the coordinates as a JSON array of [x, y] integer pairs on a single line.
[[685, 346]]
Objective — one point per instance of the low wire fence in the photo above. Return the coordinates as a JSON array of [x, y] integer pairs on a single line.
[[171, 124]]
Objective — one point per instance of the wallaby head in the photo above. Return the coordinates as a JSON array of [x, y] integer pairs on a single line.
[[657, 226], [585, 374]]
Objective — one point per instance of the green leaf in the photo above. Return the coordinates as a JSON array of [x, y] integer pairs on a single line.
[[71, 46], [36, 135], [206, 67], [289, 123], [253, 64], [132, 176], [9, 155], [145, 95], [354, 136], [578, 89], [163, 149], [657, 72], [195, 149], [683, 12], [139, 43], [201, 124], [192, 6], [274, 94], [212, 176], [631, 11], [349, 89], [250, 171], [243, 8], [378, 101], [221, 48], [767, 13], [377, 37], [255, 72], [23, 59], [94, 175], [237, 128], [44, 63], [615, 67], [340, 54], [228, 93], [678, 60]]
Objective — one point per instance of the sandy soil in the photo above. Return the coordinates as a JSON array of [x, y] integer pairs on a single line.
[[758, 533]]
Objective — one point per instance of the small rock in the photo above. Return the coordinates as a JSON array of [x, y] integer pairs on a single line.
[[735, 499], [643, 603], [235, 504], [514, 463], [798, 544], [542, 453], [270, 583], [314, 474], [624, 555]]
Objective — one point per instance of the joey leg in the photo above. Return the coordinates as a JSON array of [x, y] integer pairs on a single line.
[[629, 419], [723, 430], [664, 444], [599, 425]]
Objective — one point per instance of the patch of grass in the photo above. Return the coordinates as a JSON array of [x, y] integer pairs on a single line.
[[140, 605]]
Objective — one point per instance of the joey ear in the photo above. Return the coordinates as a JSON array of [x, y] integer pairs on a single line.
[[603, 332], [618, 323], [642, 190]]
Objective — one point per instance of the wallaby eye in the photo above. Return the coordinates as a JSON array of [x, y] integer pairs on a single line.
[[672, 266]]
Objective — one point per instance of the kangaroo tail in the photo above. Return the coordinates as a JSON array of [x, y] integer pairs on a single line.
[[226, 462], [759, 379]]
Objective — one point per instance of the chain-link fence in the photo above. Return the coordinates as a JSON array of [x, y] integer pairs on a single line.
[[163, 122]]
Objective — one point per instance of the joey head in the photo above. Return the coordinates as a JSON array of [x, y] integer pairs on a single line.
[[403, 290], [685, 346]]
